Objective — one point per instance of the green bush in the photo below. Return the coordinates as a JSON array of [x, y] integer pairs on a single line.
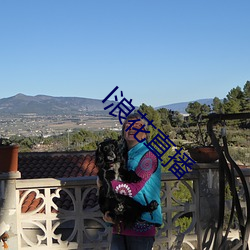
[[240, 155]]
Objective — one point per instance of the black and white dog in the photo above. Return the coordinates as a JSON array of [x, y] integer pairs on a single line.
[[111, 161]]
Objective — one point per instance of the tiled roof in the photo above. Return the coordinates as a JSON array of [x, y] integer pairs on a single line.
[[56, 165]]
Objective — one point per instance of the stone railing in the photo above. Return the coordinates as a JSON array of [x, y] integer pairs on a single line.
[[189, 207], [52, 225]]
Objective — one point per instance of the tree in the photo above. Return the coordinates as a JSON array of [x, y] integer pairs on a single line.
[[110, 134], [217, 105], [195, 109], [165, 120], [81, 138], [233, 102], [152, 114], [246, 97], [246, 89], [176, 119], [164, 115]]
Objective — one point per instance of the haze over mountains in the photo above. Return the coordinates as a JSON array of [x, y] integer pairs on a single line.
[[181, 106], [49, 105]]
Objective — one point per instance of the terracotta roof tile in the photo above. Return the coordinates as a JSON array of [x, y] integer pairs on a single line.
[[56, 165]]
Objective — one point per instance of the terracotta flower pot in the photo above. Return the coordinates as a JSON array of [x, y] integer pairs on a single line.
[[8, 158], [203, 154]]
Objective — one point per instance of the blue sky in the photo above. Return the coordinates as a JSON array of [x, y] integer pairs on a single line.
[[157, 52]]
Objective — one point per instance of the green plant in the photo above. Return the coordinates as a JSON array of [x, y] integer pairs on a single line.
[[240, 155], [201, 149], [198, 135], [5, 141]]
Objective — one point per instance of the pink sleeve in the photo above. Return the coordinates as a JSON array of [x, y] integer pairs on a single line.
[[147, 166]]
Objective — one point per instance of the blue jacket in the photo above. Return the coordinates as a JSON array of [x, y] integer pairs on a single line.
[[152, 187]]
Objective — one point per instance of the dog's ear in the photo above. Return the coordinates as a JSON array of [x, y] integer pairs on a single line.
[[99, 149], [107, 139], [98, 154]]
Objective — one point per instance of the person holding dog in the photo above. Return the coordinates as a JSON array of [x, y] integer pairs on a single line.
[[141, 235]]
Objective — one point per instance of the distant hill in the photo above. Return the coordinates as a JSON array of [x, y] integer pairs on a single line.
[[181, 106], [49, 105]]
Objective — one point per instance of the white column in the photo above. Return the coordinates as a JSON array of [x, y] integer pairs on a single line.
[[8, 211]]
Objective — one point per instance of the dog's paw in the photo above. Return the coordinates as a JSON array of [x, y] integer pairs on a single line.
[[133, 177], [120, 208], [153, 205]]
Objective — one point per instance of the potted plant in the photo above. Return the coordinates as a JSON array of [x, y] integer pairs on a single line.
[[8, 156], [201, 150]]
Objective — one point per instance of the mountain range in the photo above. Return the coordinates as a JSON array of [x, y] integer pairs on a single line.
[[49, 105]]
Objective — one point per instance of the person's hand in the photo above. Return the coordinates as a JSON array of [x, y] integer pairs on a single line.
[[98, 183], [107, 218]]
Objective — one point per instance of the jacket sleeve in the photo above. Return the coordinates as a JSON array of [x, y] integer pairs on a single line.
[[146, 167]]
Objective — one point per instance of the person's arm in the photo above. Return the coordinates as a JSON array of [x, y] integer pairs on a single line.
[[146, 167]]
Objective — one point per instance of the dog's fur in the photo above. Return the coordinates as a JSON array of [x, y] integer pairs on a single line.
[[111, 162]]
